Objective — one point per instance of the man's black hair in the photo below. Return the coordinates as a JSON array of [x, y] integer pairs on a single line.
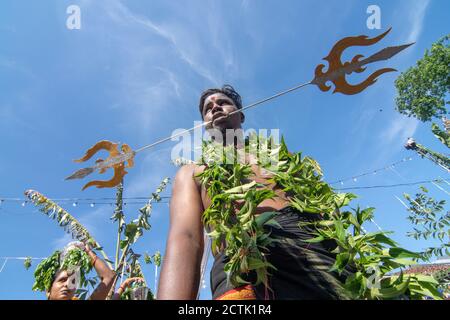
[[226, 90]]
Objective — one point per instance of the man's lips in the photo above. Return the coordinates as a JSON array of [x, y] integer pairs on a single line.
[[218, 115]]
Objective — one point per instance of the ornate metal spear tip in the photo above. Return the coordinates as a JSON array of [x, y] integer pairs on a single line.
[[116, 160], [337, 70]]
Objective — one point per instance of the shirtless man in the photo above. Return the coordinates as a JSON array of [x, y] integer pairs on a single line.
[[301, 274]]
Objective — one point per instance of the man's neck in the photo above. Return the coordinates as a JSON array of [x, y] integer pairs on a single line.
[[237, 140]]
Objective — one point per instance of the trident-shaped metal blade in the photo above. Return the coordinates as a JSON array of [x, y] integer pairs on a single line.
[[337, 70], [115, 160], [336, 73]]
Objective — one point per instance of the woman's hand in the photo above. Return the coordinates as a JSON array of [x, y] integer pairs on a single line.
[[87, 248], [129, 282], [82, 246], [77, 244]]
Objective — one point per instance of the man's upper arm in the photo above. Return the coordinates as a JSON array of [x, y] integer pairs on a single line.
[[186, 206], [180, 273]]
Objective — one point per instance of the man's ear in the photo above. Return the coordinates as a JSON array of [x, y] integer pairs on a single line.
[[242, 117]]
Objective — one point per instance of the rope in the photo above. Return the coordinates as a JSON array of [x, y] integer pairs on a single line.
[[389, 185], [4, 264], [401, 201], [16, 258], [440, 188]]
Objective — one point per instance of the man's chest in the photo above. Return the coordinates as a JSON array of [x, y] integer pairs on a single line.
[[264, 179]]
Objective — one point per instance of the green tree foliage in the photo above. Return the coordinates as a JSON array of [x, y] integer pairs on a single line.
[[422, 89], [431, 221], [443, 278], [442, 135]]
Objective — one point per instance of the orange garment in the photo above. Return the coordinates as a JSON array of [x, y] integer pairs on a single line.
[[241, 293]]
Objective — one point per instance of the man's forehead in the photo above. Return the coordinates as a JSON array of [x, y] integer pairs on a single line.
[[215, 96]]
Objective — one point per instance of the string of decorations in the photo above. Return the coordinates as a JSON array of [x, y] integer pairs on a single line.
[[394, 185], [139, 200], [372, 172], [92, 202]]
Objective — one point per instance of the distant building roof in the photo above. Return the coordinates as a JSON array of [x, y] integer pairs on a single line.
[[441, 264], [427, 269]]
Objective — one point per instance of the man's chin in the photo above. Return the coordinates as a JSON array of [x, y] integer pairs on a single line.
[[222, 124]]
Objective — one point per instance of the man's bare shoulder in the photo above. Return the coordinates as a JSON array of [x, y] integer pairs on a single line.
[[189, 172]]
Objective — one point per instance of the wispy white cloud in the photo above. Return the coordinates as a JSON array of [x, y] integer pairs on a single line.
[[162, 63], [173, 80], [120, 13], [190, 41], [399, 129], [416, 18]]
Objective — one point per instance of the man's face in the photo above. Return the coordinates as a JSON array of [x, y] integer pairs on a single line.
[[63, 287], [216, 107]]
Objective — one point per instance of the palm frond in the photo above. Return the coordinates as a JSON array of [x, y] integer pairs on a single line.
[[64, 219], [70, 225]]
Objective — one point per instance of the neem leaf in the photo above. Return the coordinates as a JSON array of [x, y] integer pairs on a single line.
[[264, 217], [392, 291], [27, 263], [341, 261], [403, 253]]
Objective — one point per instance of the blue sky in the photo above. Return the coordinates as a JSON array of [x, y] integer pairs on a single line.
[[134, 72]]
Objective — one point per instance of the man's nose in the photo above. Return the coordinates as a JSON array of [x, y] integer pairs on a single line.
[[216, 107]]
